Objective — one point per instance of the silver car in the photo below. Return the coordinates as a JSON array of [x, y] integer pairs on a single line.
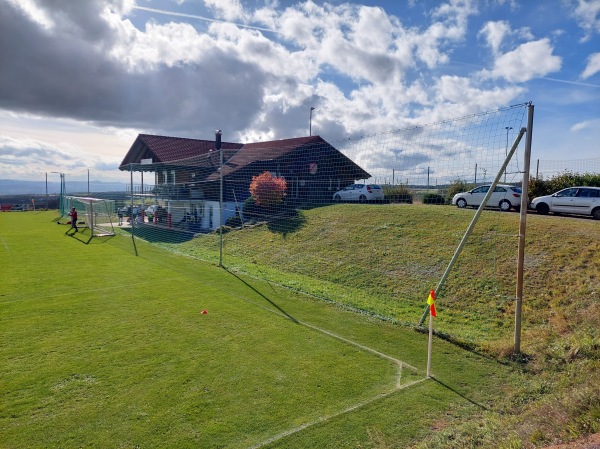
[[573, 200], [503, 197]]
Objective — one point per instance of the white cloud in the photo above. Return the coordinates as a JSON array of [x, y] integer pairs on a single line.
[[587, 13], [363, 43], [33, 157], [32, 154], [494, 34], [363, 69], [451, 28], [456, 96], [592, 67], [171, 76], [169, 44], [228, 9], [527, 61], [35, 13], [588, 124]]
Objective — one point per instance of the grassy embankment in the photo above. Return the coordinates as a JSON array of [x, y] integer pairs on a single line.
[[382, 260]]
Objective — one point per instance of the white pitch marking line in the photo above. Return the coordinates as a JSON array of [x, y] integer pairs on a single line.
[[400, 364], [335, 415]]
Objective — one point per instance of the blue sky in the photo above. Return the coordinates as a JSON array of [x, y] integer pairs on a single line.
[[80, 80]]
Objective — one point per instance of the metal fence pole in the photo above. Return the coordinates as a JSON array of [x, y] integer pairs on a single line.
[[218, 148], [522, 229], [132, 223]]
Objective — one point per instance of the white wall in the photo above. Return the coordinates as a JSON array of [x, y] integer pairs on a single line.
[[208, 212]]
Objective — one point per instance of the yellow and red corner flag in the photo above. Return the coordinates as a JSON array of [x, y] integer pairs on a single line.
[[431, 302]]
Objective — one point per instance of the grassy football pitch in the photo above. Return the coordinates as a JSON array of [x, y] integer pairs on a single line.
[[103, 348]]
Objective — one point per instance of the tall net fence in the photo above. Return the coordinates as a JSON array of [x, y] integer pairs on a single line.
[[547, 168], [369, 223]]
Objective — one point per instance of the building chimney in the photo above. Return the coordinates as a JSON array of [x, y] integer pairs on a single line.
[[218, 139]]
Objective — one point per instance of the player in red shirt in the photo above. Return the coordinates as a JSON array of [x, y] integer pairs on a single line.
[[73, 215]]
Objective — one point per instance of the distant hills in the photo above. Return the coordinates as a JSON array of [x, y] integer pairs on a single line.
[[14, 187]]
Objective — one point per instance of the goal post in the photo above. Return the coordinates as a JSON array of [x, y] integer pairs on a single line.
[[98, 214]]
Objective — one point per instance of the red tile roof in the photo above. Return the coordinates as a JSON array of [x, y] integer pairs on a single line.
[[195, 152], [168, 149], [267, 151]]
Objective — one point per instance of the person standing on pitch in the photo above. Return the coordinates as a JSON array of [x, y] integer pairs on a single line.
[[73, 215]]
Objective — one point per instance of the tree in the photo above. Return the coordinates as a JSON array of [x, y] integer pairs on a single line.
[[268, 190]]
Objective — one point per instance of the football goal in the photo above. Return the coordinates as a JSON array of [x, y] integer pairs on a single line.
[[97, 214]]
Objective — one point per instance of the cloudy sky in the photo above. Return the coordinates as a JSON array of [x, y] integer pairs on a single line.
[[80, 79]]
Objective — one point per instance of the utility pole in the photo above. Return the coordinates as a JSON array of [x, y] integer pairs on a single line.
[[46, 190], [63, 191], [310, 122]]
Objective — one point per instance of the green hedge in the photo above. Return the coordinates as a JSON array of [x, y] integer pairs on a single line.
[[398, 194], [540, 186], [433, 198]]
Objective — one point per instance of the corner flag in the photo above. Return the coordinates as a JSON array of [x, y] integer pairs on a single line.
[[431, 302], [432, 314]]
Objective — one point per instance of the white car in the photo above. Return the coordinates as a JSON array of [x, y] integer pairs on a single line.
[[359, 192], [503, 197], [573, 200]]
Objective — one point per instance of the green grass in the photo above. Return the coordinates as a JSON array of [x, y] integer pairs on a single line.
[[102, 348], [382, 261], [385, 259]]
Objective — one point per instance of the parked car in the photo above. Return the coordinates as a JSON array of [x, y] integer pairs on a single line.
[[360, 192], [503, 197], [572, 200], [127, 210]]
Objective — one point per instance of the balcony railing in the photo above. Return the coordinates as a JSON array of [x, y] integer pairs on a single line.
[[172, 191]]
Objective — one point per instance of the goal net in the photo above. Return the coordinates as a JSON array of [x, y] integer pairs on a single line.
[[97, 214], [372, 222]]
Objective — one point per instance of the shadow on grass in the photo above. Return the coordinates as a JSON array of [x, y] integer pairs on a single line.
[[287, 224], [85, 236], [483, 407], [287, 315], [467, 346]]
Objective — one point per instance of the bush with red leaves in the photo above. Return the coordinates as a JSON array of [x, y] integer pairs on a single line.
[[268, 190]]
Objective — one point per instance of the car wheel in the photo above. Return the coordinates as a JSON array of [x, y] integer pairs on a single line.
[[504, 205], [542, 209], [337, 198], [461, 202], [596, 213], [362, 199]]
